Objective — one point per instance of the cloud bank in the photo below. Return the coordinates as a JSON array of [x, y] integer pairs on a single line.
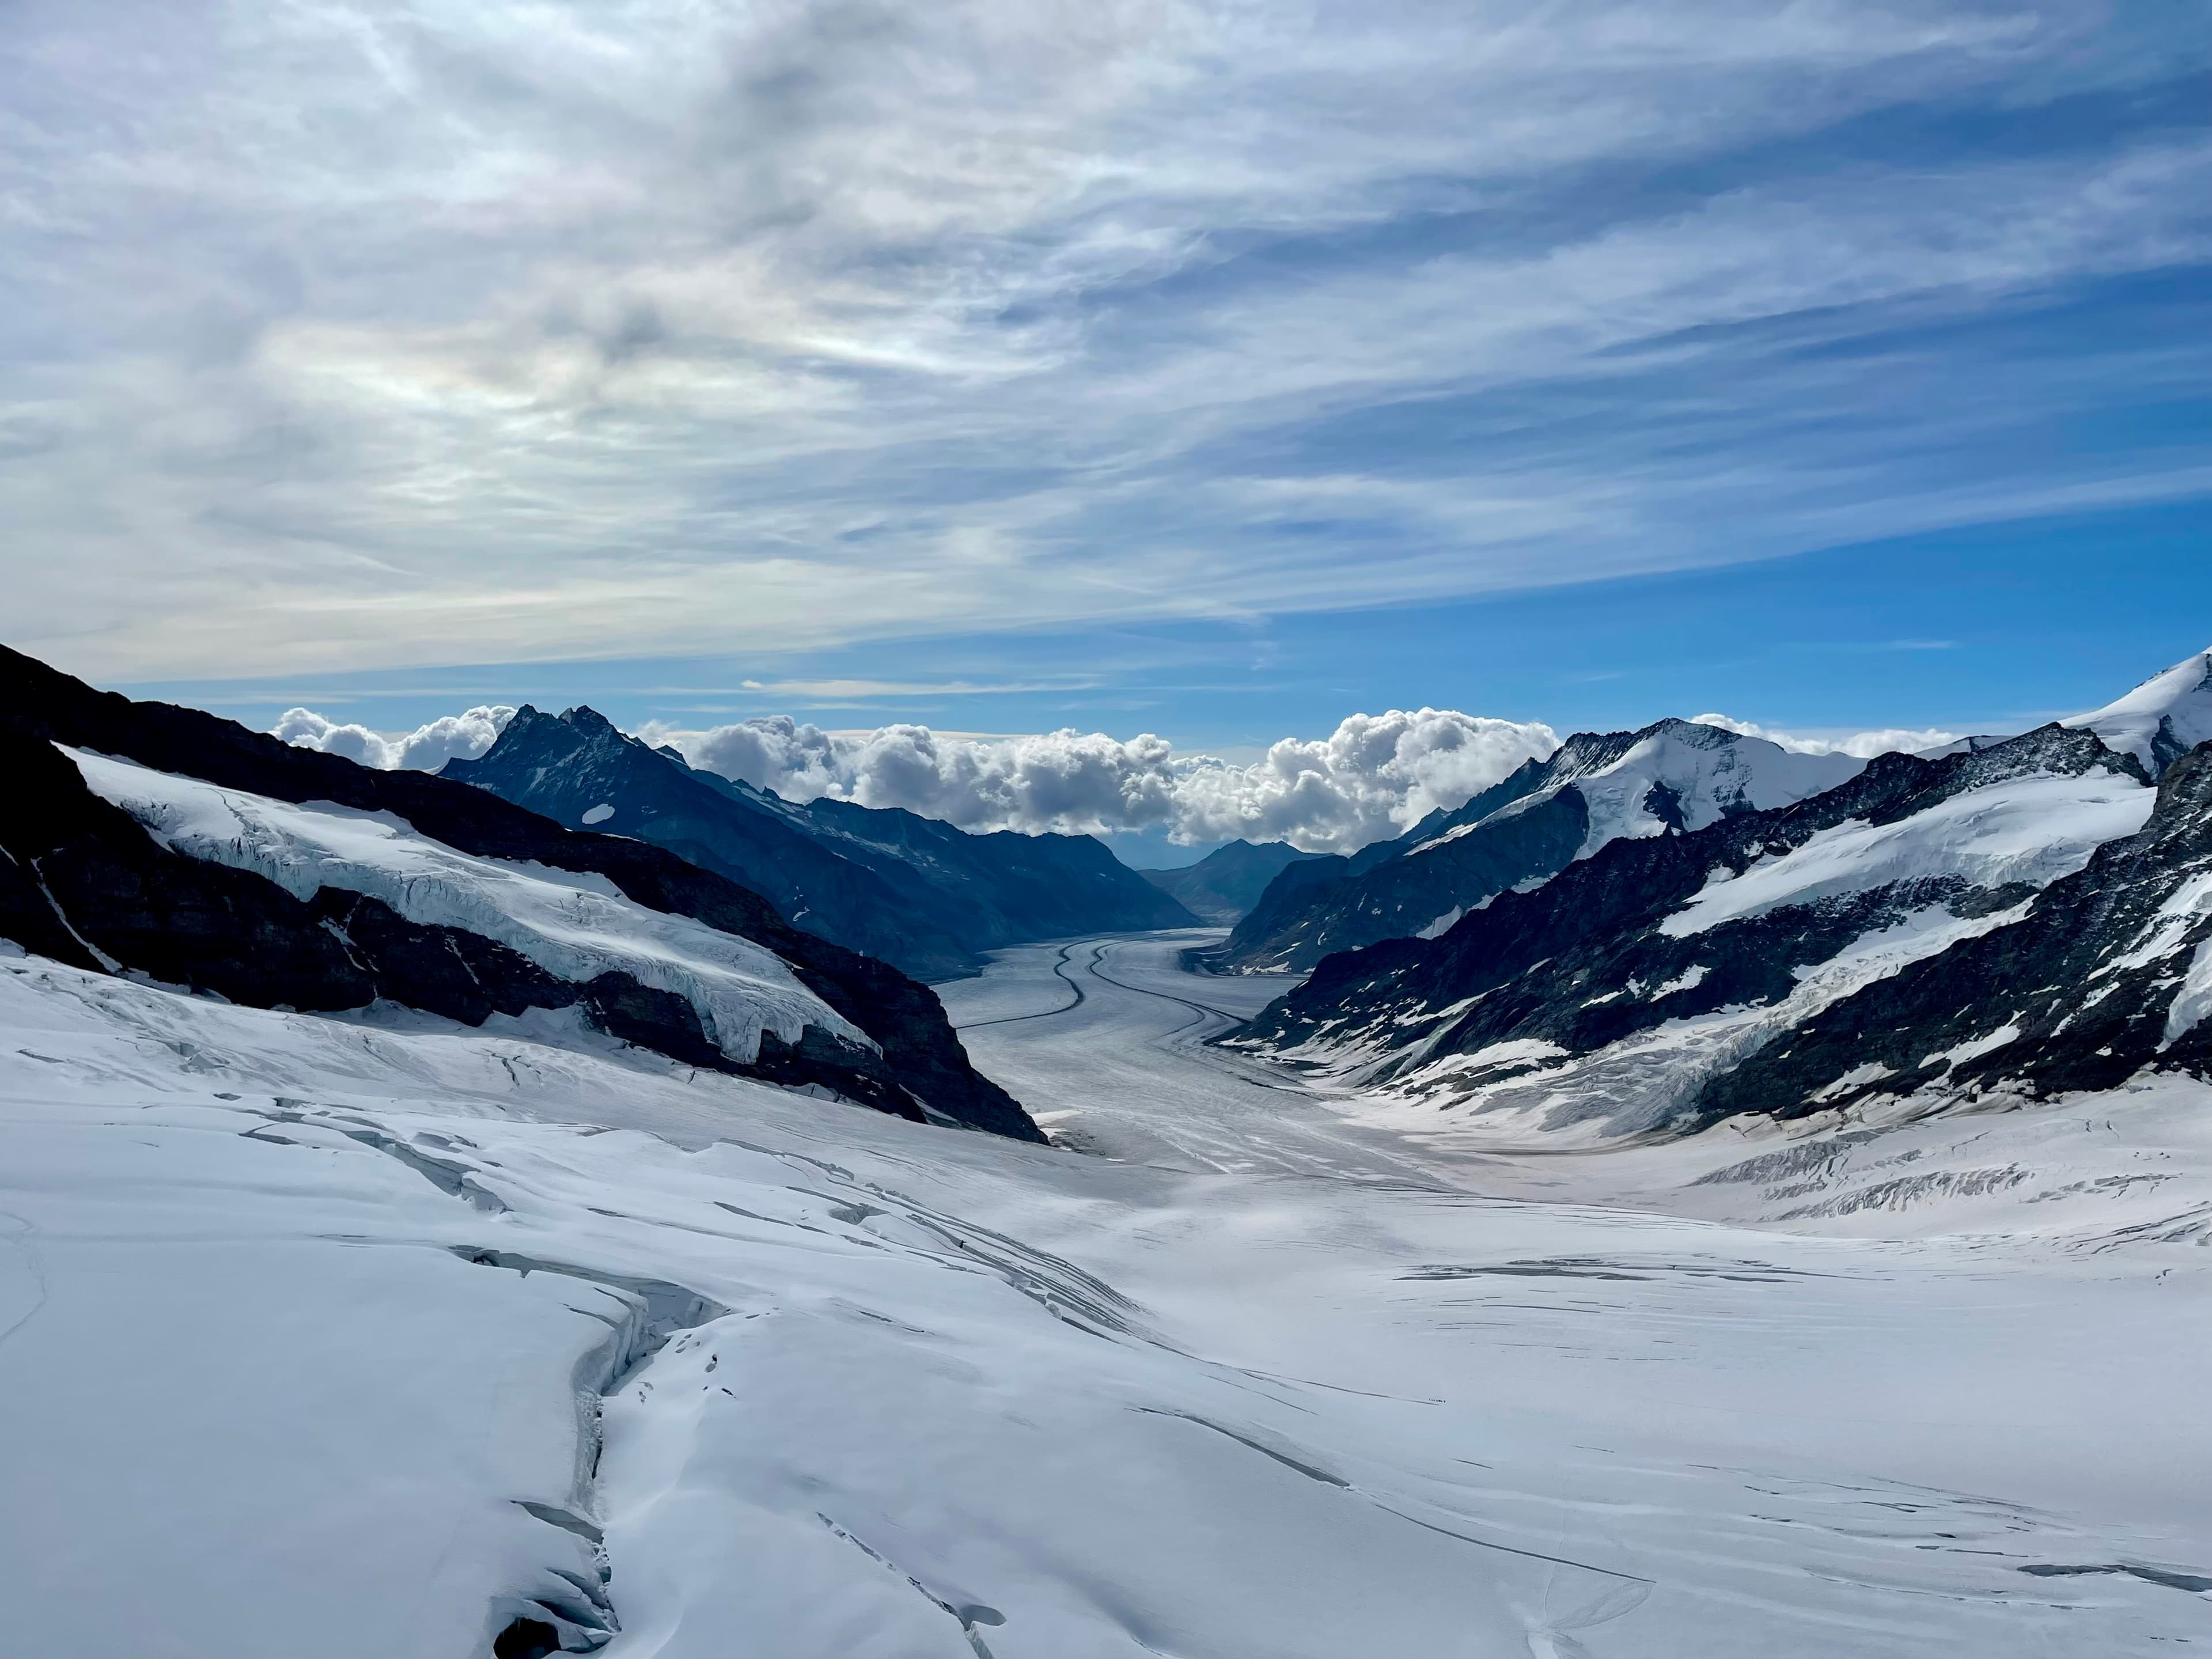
[[1373, 776], [426, 748]]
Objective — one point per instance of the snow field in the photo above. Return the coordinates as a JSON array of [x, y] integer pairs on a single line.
[[2030, 830], [321, 1305]]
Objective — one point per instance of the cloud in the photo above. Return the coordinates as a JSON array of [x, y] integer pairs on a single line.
[[1370, 778], [1375, 776], [425, 749], [369, 333], [1864, 745]]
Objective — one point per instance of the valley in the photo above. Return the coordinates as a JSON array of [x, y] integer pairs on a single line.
[[1129, 1072], [430, 1229]]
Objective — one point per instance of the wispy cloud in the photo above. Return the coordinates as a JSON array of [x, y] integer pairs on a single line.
[[348, 335]]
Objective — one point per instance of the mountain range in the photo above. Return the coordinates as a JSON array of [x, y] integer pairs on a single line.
[[1225, 884], [1595, 789], [165, 844], [926, 896], [2008, 919]]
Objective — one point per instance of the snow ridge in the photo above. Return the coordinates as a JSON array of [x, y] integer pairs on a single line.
[[2162, 719], [574, 926]]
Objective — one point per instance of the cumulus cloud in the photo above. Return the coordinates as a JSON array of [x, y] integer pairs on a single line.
[[1864, 745], [425, 749], [1373, 776]]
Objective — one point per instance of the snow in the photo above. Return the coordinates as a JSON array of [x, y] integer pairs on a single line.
[[2179, 701], [2169, 926], [600, 813], [2031, 829], [1688, 980], [1974, 1047], [1714, 771], [318, 1323], [2193, 1001], [1635, 1087], [574, 926]]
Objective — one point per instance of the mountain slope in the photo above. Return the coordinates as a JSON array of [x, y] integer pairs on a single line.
[[1666, 779], [165, 841], [1665, 982], [925, 896], [1000, 888], [1225, 884], [2162, 719], [577, 770]]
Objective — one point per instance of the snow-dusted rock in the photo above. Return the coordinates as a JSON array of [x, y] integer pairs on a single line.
[[1673, 778], [2017, 915], [575, 927]]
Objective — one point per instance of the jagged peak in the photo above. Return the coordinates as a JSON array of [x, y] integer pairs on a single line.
[[586, 719]]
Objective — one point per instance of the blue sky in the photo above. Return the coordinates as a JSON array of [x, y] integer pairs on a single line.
[[1995, 628], [1162, 366]]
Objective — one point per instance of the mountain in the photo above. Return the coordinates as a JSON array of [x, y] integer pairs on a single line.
[[922, 895], [2013, 919], [1667, 779], [1228, 881], [163, 843], [2162, 719]]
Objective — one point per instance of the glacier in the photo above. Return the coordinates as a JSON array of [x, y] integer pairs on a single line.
[[574, 925], [374, 1335]]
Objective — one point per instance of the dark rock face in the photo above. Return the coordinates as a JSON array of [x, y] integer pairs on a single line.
[[1581, 963], [924, 896], [81, 882], [1223, 886], [1003, 888], [2086, 982], [1448, 863]]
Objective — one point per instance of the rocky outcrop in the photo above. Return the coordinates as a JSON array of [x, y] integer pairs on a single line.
[[2109, 971]]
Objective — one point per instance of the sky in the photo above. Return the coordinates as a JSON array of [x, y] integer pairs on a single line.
[[1214, 370]]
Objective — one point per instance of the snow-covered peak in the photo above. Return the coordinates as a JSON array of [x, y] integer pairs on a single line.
[[2162, 719], [1676, 774], [1680, 776]]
